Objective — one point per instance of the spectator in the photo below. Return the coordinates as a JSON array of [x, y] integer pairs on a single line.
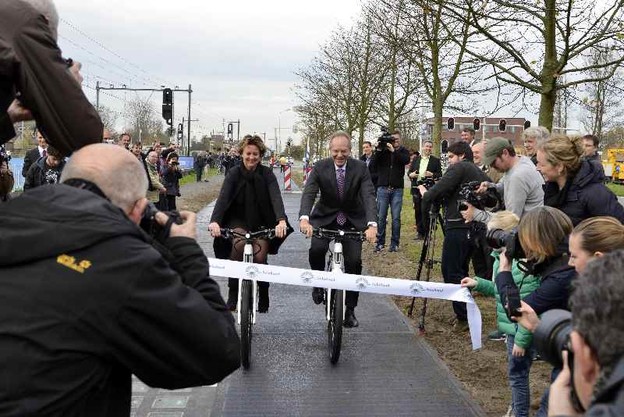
[[249, 200], [574, 185], [590, 151], [137, 150], [594, 237], [199, 162], [6, 178], [423, 166], [157, 188], [532, 138], [34, 154], [171, 180], [124, 140], [37, 82], [367, 152], [468, 135], [478, 150], [388, 167], [47, 170], [92, 302]]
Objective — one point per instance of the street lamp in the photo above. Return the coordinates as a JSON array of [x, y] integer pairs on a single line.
[[279, 129]]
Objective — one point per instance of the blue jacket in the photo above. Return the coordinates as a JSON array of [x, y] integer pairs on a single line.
[[554, 290]]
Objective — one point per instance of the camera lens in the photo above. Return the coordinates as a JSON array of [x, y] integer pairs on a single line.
[[496, 238], [551, 335]]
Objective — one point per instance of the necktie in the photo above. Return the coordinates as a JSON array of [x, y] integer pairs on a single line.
[[341, 219], [44, 153]]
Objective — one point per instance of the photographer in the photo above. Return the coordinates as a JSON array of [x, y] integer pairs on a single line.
[[597, 344], [388, 167], [423, 166], [92, 302], [171, 180], [36, 82], [543, 235], [456, 248]]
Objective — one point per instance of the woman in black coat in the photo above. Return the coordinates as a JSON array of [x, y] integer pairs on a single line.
[[249, 200], [574, 185]]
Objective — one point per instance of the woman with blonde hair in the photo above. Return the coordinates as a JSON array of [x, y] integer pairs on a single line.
[[573, 184], [594, 237]]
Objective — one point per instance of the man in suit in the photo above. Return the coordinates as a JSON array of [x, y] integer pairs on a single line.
[[424, 166], [347, 202], [41, 151]]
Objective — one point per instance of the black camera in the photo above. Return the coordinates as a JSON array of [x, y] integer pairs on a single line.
[[551, 338], [426, 182], [153, 228], [498, 238], [385, 138], [174, 163], [490, 200]]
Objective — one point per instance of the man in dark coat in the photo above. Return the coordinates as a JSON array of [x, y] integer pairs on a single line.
[[351, 208], [36, 82], [34, 154], [47, 170], [87, 300], [424, 166]]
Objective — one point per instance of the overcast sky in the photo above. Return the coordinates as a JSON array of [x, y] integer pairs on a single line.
[[239, 55]]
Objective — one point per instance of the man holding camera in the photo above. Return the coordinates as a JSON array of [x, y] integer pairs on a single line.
[[388, 167], [36, 82], [521, 186], [99, 301], [594, 368], [457, 248], [424, 166]]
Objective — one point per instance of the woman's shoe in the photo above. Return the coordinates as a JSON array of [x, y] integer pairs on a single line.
[[263, 299]]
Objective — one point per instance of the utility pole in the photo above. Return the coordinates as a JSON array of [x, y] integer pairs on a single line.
[[188, 139]]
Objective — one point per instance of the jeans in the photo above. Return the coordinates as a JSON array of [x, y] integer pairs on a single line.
[[543, 409], [392, 197], [518, 368]]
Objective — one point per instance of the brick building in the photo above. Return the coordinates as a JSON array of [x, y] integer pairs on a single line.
[[488, 126]]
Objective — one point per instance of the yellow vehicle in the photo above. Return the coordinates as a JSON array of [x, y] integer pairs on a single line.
[[614, 164]]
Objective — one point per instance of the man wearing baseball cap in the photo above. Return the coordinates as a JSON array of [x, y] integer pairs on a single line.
[[521, 186]]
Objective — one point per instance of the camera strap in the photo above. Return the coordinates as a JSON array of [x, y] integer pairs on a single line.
[[86, 185]]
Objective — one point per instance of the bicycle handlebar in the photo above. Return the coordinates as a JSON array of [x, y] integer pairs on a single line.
[[338, 234], [264, 233]]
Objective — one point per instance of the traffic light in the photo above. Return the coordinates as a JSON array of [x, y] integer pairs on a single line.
[[180, 131], [476, 123], [450, 123], [527, 124], [230, 130], [167, 106], [502, 125], [289, 142]]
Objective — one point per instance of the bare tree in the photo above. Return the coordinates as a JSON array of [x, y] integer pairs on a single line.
[[108, 117], [540, 45], [145, 123]]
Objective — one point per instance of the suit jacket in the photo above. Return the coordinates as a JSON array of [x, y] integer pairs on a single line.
[[358, 203], [30, 158], [433, 166]]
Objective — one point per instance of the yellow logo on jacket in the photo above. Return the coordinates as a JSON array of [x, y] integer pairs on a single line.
[[70, 262]]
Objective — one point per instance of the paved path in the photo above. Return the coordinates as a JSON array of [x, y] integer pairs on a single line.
[[384, 369]]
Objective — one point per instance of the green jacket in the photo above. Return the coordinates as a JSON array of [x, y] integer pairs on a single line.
[[526, 284]]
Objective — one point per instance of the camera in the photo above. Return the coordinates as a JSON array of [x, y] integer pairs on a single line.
[[498, 238], [551, 338], [490, 200], [426, 182], [385, 138], [174, 163], [153, 228]]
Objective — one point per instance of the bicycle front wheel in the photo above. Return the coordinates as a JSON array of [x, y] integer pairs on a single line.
[[246, 322], [334, 325]]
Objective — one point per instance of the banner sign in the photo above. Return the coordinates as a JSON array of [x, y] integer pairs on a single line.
[[364, 283]]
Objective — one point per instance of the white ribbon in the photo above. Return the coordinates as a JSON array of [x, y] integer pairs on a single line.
[[351, 282]]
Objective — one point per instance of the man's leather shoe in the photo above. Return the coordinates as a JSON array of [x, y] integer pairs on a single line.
[[350, 320], [318, 295]]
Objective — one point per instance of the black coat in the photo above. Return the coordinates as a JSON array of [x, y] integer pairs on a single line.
[[91, 302], [40, 174], [446, 191], [609, 401], [434, 166], [270, 206], [358, 203], [388, 168], [31, 64], [30, 158], [586, 196]]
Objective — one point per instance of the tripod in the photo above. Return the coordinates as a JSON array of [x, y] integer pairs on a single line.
[[427, 259]]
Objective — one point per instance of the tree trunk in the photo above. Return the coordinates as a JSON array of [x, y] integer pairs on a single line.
[[547, 108]]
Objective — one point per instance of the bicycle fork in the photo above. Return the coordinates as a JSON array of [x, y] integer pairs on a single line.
[[337, 268], [248, 258]]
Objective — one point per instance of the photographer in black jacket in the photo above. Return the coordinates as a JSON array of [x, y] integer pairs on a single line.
[[388, 167], [86, 300], [597, 341], [457, 248]]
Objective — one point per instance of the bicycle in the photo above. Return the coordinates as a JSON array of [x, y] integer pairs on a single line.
[[247, 291], [335, 310]]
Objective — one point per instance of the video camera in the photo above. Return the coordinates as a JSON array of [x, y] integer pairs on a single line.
[[385, 138], [552, 337], [490, 200]]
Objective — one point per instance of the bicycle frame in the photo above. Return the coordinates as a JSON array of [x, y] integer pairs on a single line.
[[337, 267], [248, 258]]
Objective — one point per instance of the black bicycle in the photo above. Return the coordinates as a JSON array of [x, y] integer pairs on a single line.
[[336, 304], [247, 290]]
